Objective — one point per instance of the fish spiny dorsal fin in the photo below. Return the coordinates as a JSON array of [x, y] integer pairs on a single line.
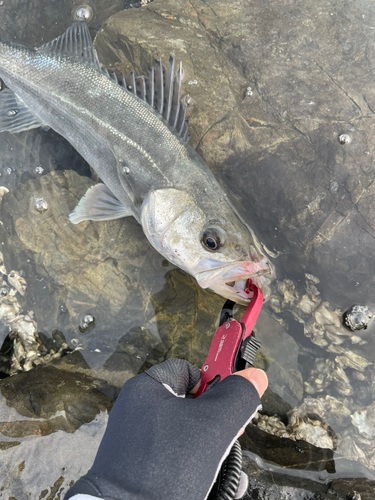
[[158, 86], [161, 90], [175, 101], [75, 44], [140, 87], [130, 82], [150, 86], [181, 118], [168, 74]]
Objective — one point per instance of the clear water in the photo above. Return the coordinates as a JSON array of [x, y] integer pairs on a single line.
[[122, 307]]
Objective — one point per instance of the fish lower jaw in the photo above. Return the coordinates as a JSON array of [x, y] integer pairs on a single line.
[[235, 289], [230, 281], [239, 286]]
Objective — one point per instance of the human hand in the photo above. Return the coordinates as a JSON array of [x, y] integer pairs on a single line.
[[160, 445], [257, 377]]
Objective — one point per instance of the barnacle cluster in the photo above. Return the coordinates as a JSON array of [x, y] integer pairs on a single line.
[[28, 350], [344, 373], [299, 427]]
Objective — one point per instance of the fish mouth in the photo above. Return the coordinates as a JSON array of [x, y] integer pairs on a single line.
[[230, 281]]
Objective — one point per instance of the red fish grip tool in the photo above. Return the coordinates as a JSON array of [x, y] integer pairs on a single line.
[[233, 343]]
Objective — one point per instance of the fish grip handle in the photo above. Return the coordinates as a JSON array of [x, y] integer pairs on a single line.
[[232, 346]]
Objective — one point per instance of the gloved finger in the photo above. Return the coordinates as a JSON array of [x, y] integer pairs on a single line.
[[257, 377], [177, 375]]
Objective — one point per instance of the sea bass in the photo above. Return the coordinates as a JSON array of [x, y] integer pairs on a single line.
[[133, 133]]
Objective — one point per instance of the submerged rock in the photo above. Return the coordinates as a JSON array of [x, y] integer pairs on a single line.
[[266, 114], [55, 407], [278, 138], [299, 427], [365, 421], [75, 272], [268, 482], [262, 134], [186, 318], [27, 350], [342, 378]]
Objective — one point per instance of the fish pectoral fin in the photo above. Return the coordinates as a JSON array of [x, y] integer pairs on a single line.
[[14, 115], [76, 44], [99, 203]]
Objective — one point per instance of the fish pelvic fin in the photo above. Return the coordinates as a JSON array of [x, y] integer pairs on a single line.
[[99, 203], [76, 44], [14, 115]]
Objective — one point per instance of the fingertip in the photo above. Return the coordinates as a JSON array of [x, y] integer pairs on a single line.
[[257, 377], [194, 390]]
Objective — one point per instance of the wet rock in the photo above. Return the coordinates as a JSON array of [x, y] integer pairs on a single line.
[[286, 452], [271, 483], [299, 427], [186, 317], [173, 29], [55, 407], [273, 404], [27, 350], [80, 271], [343, 377], [282, 127], [61, 387], [359, 444], [33, 23], [279, 357], [326, 373], [365, 421], [329, 409], [275, 148]]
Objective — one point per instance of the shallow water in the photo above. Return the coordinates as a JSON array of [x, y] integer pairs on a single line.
[[308, 197]]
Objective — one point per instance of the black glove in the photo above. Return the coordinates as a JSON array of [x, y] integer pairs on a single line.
[[159, 445]]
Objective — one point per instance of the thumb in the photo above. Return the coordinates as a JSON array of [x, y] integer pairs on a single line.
[[257, 377]]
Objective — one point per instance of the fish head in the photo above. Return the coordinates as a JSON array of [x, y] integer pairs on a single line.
[[217, 249]]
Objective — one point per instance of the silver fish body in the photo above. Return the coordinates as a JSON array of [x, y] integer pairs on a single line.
[[148, 169]]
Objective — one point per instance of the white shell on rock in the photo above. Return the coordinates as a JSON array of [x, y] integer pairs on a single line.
[[364, 421], [312, 431], [18, 282]]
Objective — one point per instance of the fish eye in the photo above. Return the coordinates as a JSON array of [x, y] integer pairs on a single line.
[[212, 239]]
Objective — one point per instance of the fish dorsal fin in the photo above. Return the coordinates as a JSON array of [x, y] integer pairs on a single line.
[[76, 44], [161, 90]]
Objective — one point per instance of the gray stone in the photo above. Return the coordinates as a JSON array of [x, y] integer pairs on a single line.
[[272, 483], [52, 420], [75, 271], [278, 356], [277, 151]]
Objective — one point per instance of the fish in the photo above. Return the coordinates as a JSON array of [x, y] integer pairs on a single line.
[[133, 133]]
